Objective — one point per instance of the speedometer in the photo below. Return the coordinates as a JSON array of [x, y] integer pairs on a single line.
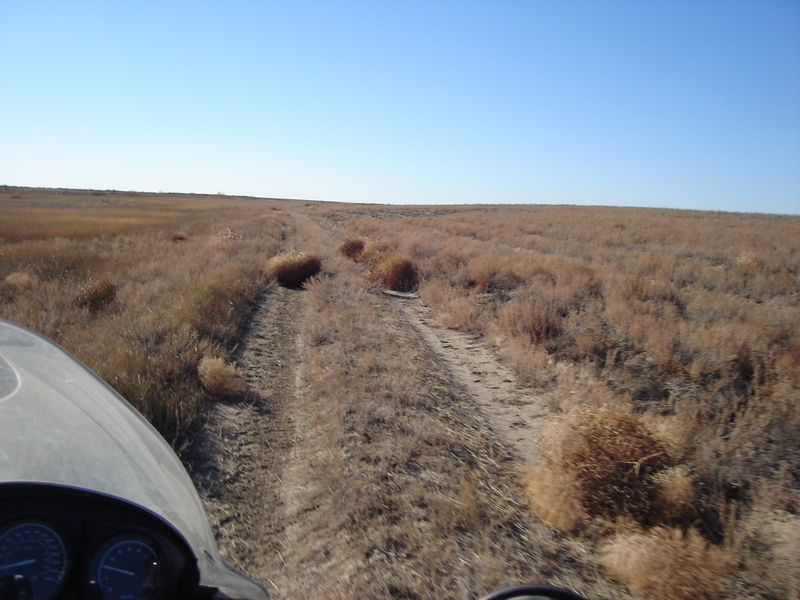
[[129, 566], [32, 557]]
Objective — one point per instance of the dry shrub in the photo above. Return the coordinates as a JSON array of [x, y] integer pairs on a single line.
[[178, 236], [21, 280], [293, 269], [612, 457], [396, 273], [96, 295], [352, 249], [534, 317], [667, 563], [553, 496], [219, 378], [372, 253]]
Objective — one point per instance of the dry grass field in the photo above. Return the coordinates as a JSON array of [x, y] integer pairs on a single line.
[[666, 345], [108, 277]]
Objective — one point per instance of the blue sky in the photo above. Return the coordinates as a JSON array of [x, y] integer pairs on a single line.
[[652, 103]]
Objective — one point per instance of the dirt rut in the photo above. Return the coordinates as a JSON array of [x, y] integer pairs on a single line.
[[238, 460], [514, 412]]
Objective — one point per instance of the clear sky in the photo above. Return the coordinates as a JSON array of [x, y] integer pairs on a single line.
[[651, 103]]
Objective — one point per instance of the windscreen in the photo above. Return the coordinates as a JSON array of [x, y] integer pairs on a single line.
[[61, 424]]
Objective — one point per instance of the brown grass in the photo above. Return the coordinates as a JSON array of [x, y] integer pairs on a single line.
[[608, 458], [96, 295], [685, 320], [219, 378], [668, 563], [293, 269], [396, 273], [352, 249], [172, 303], [396, 489]]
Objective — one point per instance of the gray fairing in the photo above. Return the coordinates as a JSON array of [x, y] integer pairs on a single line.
[[61, 424]]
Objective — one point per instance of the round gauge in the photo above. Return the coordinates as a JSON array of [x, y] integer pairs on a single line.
[[129, 566], [32, 557]]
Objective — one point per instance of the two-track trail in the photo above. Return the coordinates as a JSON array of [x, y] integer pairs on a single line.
[[375, 455]]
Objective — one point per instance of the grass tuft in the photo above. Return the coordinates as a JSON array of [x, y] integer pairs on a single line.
[[292, 270], [396, 273], [96, 295], [611, 457], [352, 248], [667, 563], [219, 378]]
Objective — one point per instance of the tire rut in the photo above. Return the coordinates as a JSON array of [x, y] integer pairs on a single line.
[[239, 457], [514, 411]]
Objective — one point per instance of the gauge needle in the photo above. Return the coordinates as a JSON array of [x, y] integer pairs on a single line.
[[30, 561], [119, 570]]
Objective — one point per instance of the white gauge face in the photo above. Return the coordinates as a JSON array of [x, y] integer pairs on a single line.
[[32, 557], [129, 567]]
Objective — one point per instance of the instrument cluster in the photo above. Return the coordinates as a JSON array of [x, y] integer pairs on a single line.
[[67, 543]]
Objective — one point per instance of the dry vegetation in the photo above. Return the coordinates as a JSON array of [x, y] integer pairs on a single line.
[[669, 343], [665, 342], [402, 494], [111, 285], [293, 269]]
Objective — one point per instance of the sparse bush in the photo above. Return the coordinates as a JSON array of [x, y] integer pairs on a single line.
[[352, 249], [612, 458], [219, 378], [96, 295], [293, 269], [667, 563], [396, 273]]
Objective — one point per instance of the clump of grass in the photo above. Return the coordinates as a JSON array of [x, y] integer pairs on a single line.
[[293, 269], [352, 248], [96, 295], [219, 378], [610, 458], [667, 563], [396, 273]]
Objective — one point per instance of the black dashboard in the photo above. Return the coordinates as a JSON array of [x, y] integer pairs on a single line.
[[60, 543]]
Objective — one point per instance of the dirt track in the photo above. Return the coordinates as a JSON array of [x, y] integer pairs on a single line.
[[246, 463], [514, 412], [238, 461]]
